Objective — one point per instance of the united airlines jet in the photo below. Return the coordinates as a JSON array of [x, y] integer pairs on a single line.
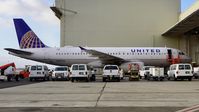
[[31, 47]]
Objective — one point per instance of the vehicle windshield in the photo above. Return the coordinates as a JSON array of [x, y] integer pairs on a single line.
[[181, 53], [39, 67], [111, 68], [81, 67], [33, 68], [184, 67], [187, 67], [147, 68], [75, 67], [61, 69]]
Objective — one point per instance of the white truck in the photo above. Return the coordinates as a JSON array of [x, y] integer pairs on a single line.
[[196, 72], [111, 72], [156, 73], [9, 73], [2, 77], [60, 73]]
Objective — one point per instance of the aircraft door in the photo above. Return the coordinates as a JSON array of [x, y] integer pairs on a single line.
[[175, 54], [169, 51]]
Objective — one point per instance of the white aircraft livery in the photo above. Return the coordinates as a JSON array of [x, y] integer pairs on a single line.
[[31, 47]]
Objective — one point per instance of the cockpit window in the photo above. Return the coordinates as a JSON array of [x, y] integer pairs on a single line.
[[181, 53]]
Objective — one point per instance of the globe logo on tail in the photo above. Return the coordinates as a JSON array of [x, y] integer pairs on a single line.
[[30, 40]]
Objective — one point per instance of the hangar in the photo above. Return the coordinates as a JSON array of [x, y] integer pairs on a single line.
[[135, 23]]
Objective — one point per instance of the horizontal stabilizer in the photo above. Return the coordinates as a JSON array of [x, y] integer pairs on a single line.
[[16, 51]]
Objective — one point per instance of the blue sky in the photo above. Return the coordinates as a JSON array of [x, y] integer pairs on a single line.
[[40, 18]]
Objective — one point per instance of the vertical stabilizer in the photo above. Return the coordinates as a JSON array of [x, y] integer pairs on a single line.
[[26, 37]]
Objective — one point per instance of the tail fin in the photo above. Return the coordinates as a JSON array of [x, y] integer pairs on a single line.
[[26, 37]]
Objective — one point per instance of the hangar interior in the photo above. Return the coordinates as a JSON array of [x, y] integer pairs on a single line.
[[129, 23]]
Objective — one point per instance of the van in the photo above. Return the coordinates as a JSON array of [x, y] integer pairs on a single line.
[[180, 71], [38, 72], [60, 73], [80, 72], [111, 72]]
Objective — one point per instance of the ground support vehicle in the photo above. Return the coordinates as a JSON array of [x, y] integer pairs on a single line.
[[80, 72], [180, 71], [156, 73], [93, 75], [38, 72], [144, 72], [134, 72], [196, 72], [2, 77], [60, 73], [111, 73], [8, 71], [134, 75]]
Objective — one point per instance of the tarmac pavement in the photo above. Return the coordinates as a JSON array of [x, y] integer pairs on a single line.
[[167, 96]]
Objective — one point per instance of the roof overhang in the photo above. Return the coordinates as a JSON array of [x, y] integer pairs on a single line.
[[183, 27], [57, 12], [62, 11]]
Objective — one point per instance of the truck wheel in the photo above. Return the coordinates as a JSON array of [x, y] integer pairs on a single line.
[[87, 79], [30, 79], [104, 79], [148, 78], [190, 79], [48, 78], [118, 79]]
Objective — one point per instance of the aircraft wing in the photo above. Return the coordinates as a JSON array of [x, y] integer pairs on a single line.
[[104, 57], [16, 51]]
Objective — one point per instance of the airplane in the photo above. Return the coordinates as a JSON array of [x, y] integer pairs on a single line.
[[32, 48]]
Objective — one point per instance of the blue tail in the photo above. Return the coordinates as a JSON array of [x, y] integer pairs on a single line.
[[26, 37]]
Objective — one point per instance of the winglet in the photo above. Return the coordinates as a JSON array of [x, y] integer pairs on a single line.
[[82, 48]]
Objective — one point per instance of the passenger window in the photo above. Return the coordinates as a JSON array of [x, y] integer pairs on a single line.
[[81, 67], [187, 67], [75, 67], [181, 67], [45, 68], [33, 67], [39, 67]]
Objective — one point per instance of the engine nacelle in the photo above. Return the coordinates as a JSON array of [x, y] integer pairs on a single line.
[[96, 64], [127, 66]]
